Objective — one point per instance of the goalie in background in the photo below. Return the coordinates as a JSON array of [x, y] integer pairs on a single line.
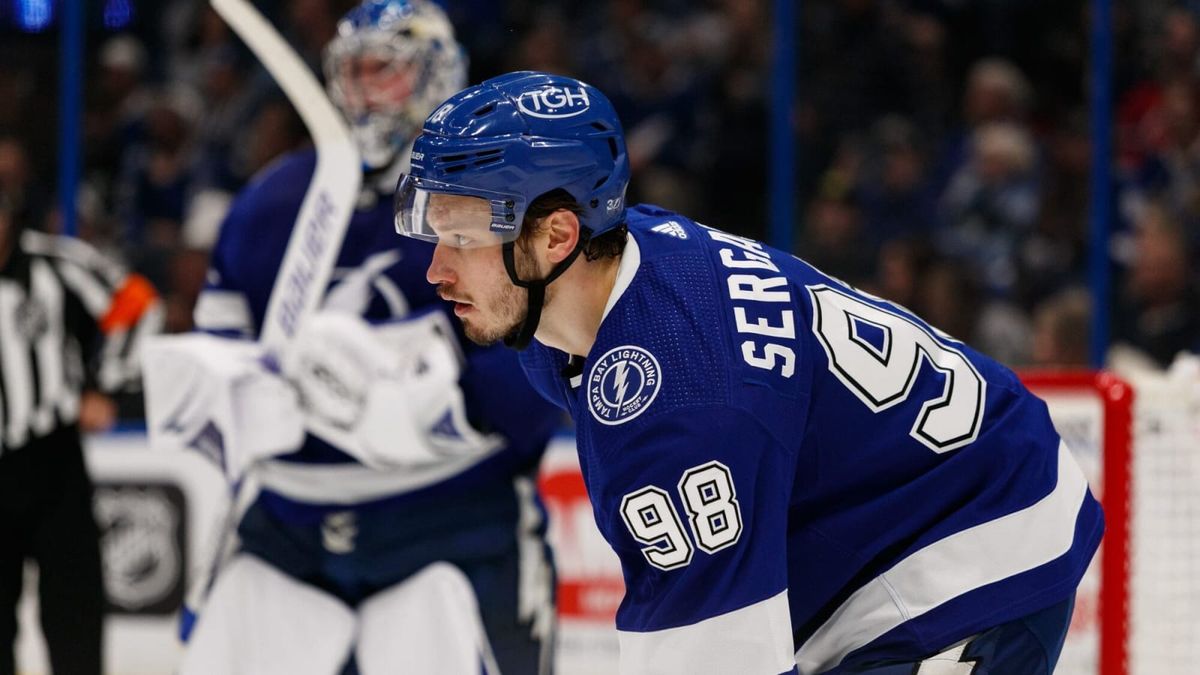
[[397, 523]]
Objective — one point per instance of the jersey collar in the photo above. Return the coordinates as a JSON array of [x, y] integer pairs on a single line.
[[631, 260]]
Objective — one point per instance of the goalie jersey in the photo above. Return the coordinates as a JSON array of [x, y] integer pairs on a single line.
[[382, 277], [794, 472]]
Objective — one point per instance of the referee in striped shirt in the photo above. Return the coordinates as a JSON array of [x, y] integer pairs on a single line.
[[69, 325]]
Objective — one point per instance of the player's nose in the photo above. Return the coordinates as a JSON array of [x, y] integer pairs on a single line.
[[440, 271]]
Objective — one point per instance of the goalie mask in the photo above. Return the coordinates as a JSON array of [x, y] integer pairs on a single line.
[[391, 63]]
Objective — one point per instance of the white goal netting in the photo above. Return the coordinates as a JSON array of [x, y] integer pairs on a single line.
[[1161, 628]]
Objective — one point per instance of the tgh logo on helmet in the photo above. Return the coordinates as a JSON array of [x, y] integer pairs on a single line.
[[554, 102]]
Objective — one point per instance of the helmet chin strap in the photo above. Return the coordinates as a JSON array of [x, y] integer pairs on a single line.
[[521, 337]]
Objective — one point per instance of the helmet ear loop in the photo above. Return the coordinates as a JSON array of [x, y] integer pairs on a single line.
[[537, 290]]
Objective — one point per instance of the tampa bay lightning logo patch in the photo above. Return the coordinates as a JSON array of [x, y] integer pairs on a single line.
[[622, 384]]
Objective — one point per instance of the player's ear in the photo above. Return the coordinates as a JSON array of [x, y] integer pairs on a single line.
[[562, 228]]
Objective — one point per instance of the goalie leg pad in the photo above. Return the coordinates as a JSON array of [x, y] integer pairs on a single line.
[[430, 623], [260, 621]]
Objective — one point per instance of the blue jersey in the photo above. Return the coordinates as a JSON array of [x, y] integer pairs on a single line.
[[795, 472], [464, 510]]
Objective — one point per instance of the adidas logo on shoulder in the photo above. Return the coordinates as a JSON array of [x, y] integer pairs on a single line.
[[671, 228]]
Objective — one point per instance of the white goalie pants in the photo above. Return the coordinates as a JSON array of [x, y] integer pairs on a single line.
[[259, 621]]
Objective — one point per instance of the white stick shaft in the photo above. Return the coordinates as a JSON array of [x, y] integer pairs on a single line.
[[329, 202], [316, 237]]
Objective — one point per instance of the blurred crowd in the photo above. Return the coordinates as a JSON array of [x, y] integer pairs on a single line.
[[943, 145]]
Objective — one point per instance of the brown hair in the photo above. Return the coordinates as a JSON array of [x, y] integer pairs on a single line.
[[610, 244]]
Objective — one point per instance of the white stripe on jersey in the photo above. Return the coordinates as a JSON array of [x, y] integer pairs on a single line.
[[14, 364], [68, 403], [96, 298], [756, 640], [218, 310], [45, 290], [354, 483], [944, 570], [73, 250]]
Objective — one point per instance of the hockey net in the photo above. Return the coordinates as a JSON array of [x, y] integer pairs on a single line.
[[1138, 439]]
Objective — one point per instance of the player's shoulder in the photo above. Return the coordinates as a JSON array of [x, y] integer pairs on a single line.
[[657, 348], [270, 201], [292, 170], [733, 302], [661, 232], [279, 185]]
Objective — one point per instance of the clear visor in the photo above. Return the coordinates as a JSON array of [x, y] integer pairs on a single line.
[[439, 213]]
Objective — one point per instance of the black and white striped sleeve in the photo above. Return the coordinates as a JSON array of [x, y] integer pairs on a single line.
[[123, 307]]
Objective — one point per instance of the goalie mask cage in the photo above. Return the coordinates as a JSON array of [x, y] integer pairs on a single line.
[[1138, 440]]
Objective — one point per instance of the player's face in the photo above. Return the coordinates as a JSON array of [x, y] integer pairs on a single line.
[[484, 298], [375, 82], [473, 277]]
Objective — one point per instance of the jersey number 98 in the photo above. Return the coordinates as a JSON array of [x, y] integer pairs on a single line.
[[714, 516]]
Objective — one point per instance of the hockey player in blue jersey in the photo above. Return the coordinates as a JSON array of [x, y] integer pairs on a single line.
[[357, 555], [795, 475]]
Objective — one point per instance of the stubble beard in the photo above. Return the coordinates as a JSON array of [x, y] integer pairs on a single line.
[[512, 306]]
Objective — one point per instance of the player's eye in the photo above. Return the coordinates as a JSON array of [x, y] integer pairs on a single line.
[[461, 241]]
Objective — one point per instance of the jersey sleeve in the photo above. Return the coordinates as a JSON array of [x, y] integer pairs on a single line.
[[223, 307], [253, 238], [122, 309], [694, 502]]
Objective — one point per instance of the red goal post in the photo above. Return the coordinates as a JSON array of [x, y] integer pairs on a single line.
[[1098, 642]]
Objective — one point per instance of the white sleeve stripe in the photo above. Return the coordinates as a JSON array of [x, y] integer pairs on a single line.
[[96, 298], [755, 640], [43, 285], [981, 555], [353, 483], [15, 369], [223, 310], [72, 250]]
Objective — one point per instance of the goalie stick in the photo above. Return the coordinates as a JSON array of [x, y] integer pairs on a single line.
[[314, 243], [329, 202]]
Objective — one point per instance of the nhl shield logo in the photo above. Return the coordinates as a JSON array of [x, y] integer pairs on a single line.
[[622, 384]]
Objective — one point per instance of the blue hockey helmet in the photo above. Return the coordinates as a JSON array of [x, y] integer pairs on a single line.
[[492, 149], [391, 63]]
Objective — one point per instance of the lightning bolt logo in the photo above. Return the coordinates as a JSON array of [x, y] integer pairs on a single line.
[[622, 383], [621, 380]]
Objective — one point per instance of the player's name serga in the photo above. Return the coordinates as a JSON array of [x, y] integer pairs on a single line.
[[774, 328]]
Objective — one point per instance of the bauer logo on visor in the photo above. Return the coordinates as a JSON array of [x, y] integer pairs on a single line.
[[554, 102], [439, 212]]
